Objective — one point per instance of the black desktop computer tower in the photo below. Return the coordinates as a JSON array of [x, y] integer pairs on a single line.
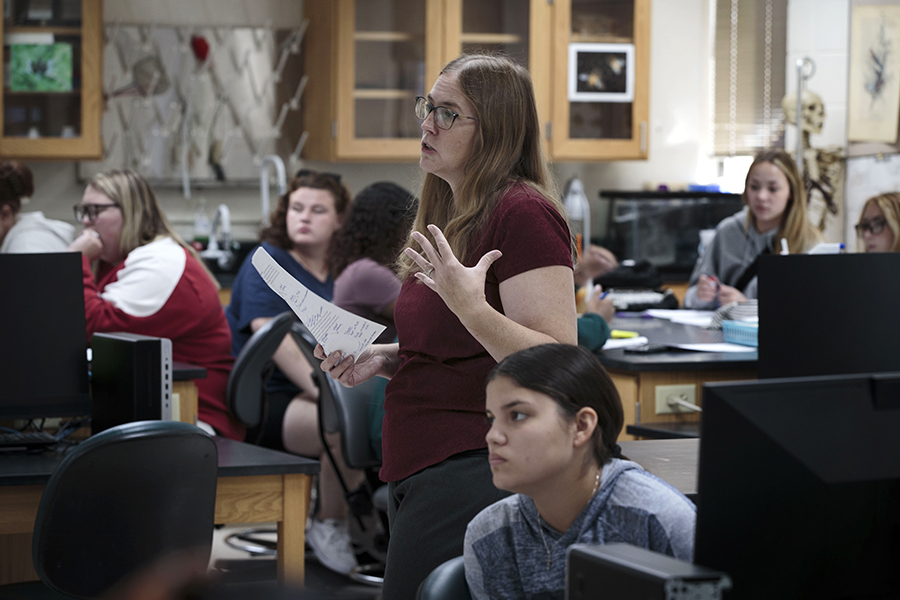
[[626, 572], [131, 379]]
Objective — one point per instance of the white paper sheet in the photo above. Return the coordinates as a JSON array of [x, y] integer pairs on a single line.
[[698, 318], [332, 326], [715, 347], [612, 344]]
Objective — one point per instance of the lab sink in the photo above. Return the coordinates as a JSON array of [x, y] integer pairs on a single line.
[[226, 270]]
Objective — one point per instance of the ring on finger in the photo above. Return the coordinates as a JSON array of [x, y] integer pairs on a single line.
[[430, 271]]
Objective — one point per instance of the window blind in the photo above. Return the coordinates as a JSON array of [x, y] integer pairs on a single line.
[[748, 75]]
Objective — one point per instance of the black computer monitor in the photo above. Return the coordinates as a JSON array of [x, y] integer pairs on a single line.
[[799, 487], [829, 314], [43, 341]]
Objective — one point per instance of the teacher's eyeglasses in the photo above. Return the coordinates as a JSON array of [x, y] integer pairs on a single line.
[[873, 226], [443, 116], [90, 210]]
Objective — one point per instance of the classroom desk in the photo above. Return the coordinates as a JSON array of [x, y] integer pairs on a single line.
[[674, 461], [255, 485], [636, 376], [183, 376]]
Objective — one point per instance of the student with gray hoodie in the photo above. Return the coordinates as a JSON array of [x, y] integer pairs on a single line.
[[555, 416]]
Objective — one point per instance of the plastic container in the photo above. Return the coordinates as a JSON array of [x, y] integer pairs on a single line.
[[741, 332]]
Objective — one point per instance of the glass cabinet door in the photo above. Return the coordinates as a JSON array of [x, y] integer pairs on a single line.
[[387, 55], [601, 81], [51, 79], [516, 28]]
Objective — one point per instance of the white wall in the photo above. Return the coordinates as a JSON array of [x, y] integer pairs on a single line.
[[678, 135]]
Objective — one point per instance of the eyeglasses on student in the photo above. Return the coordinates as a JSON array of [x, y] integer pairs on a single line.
[[873, 226], [90, 210]]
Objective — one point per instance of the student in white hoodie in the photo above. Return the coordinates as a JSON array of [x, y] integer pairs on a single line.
[[26, 232]]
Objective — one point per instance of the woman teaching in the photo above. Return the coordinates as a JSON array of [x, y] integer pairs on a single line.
[[150, 282], [492, 275]]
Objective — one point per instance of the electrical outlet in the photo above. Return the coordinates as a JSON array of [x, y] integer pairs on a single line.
[[688, 393]]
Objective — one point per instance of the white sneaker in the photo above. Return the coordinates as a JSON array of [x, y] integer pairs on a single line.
[[330, 541]]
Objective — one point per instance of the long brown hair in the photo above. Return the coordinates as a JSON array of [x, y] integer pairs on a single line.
[[506, 149], [795, 226]]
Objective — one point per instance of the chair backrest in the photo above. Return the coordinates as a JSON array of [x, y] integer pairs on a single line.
[[446, 582], [123, 499], [341, 409], [246, 391]]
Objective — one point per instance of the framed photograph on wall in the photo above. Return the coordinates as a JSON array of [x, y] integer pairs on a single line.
[[601, 72]]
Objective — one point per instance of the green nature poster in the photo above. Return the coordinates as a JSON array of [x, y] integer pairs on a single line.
[[40, 67]]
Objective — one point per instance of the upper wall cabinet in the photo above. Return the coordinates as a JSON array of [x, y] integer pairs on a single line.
[[368, 59], [601, 79], [52, 89]]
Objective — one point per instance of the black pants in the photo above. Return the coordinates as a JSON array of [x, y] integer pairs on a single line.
[[428, 514]]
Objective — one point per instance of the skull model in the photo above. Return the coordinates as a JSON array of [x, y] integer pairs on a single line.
[[813, 111]]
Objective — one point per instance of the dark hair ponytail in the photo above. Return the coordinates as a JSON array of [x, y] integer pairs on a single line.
[[575, 379], [16, 182]]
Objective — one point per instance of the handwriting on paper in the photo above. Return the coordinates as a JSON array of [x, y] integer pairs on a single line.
[[332, 326]]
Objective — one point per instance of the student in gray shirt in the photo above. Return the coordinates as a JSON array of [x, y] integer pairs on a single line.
[[555, 417], [776, 210]]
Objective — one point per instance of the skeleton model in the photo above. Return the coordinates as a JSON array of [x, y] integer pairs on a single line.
[[822, 167]]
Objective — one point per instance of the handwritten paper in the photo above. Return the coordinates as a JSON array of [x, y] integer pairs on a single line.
[[332, 326]]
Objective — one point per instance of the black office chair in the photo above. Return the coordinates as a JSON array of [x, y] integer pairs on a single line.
[[119, 502], [344, 411], [246, 391], [446, 582], [246, 398]]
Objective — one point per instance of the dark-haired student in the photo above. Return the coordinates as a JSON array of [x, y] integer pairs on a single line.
[[28, 232], [555, 416]]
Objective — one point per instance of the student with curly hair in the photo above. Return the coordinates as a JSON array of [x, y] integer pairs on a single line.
[[365, 249], [302, 226]]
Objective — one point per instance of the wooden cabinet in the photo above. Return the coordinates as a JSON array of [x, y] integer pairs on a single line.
[[52, 99], [604, 31], [368, 59]]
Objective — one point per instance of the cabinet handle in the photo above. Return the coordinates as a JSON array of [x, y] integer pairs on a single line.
[[643, 137]]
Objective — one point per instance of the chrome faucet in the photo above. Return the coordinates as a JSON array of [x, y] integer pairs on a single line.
[[270, 159], [222, 253]]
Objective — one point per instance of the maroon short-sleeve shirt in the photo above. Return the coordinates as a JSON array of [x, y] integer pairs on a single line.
[[434, 405]]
